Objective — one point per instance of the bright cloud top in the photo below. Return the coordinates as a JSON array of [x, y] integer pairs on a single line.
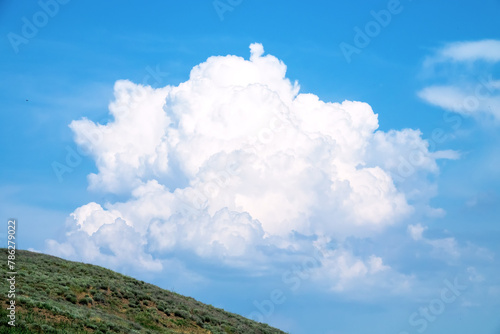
[[470, 88], [234, 162]]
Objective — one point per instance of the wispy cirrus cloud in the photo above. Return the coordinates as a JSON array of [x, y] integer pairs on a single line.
[[468, 51], [466, 83], [465, 99]]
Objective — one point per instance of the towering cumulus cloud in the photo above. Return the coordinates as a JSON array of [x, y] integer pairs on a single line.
[[234, 162]]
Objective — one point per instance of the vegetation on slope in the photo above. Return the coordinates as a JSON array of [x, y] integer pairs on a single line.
[[59, 296]]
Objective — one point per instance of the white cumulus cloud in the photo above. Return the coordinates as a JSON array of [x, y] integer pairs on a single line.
[[235, 160]]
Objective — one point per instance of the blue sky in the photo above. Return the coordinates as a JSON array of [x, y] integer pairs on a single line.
[[352, 217]]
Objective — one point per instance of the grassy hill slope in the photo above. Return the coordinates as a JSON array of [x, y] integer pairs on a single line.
[[59, 296]]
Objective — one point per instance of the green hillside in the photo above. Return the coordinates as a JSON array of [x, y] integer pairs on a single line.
[[59, 296]]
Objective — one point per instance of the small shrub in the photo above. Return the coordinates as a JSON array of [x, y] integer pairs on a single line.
[[47, 328], [71, 297], [133, 303], [181, 313], [135, 326], [99, 297], [162, 306], [91, 325], [85, 301]]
